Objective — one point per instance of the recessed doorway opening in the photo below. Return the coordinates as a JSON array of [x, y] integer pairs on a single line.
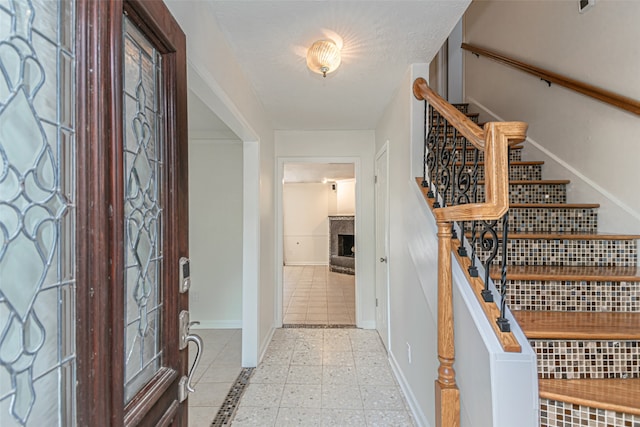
[[318, 259]]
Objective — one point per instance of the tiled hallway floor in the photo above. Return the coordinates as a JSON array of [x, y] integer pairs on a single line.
[[217, 371], [314, 295], [323, 377]]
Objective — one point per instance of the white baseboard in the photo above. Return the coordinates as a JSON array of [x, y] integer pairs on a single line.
[[367, 324], [416, 411], [264, 345], [218, 324]]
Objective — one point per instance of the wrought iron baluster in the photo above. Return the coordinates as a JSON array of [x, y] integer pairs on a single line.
[[502, 321], [425, 148], [490, 243], [464, 186], [445, 177], [440, 142], [473, 270], [453, 154], [432, 155]]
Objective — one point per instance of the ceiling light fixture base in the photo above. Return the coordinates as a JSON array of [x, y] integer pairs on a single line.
[[323, 57]]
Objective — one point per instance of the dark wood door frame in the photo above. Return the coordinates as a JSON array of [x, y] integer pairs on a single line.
[[100, 230]]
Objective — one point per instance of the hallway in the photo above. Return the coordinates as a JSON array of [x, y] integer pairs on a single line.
[[310, 377]]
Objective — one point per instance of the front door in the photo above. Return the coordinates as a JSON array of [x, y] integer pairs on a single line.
[[93, 214], [136, 175]]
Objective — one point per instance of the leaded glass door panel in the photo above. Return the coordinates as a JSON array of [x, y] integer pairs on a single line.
[[37, 213], [147, 197], [93, 213]]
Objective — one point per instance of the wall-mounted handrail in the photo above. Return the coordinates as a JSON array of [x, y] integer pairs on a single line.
[[494, 140], [611, 98]]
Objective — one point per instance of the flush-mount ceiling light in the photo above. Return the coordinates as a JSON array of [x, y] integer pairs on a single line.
[[323, 57]]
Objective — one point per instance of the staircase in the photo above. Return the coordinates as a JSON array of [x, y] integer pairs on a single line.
[[575, 292]]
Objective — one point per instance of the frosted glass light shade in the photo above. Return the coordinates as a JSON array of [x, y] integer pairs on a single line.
[[323, 57]]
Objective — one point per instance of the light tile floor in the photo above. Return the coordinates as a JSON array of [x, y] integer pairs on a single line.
[[217, 371], [323, 377], [314, 295]]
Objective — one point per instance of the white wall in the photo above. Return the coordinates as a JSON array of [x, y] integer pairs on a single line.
[[216, 76], [346, 197], [455, 64], [305, 209], [354, 147], [215, 232], [596, 142], [487, 377], [333, 199]]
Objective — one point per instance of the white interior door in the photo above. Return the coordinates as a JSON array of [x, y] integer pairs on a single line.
[[382, 245]]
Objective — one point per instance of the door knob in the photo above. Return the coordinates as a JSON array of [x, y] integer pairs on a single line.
[[383, 259]]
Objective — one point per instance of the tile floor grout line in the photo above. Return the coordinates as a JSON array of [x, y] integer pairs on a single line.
[[230, 405], [317, 326]]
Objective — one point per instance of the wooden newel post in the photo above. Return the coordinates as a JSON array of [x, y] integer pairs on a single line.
[[447, 393]]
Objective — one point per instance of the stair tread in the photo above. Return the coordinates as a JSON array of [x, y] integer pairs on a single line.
[[468, 115], [573, 236], [554, 205], [568, 236], [514, 163], [579, 325], [514, 147], [620, 395], [534, 182], [569, 273]]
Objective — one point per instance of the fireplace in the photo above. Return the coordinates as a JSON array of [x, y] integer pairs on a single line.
[[346, 245], [342, 250]]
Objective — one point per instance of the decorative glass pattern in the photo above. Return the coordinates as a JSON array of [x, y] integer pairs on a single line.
[[143, 172], [37, 213]]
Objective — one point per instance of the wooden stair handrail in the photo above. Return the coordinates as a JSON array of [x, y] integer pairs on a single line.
[[494, 139], [465, 126], [611, 98]]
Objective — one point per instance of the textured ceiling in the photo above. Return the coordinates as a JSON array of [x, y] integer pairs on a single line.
[[379, 38]]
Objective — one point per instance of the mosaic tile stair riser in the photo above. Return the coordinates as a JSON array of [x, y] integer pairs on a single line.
[[550, 220], [568, 252]]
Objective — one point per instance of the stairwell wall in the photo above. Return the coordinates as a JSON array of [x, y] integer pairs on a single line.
[[593, 144]]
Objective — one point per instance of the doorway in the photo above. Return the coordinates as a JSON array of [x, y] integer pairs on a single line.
[[382, 243], [318, 244]]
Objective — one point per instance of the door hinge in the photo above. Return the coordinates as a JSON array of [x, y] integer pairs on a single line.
[[376, 302], [375, 179]]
